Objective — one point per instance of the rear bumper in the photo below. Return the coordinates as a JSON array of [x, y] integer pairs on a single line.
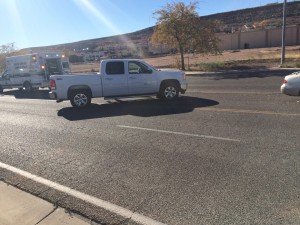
[[183, 87], [52, 95]]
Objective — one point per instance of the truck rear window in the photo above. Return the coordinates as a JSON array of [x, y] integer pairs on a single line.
[[113, 68]]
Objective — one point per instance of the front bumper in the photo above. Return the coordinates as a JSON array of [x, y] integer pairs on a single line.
[[289, 90]]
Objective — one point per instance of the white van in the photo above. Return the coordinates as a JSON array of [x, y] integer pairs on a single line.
[[32, 71]]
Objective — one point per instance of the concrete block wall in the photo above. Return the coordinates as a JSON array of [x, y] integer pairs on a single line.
[[259, 39]]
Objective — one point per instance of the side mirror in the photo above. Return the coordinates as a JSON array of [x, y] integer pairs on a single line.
[[149, 71]]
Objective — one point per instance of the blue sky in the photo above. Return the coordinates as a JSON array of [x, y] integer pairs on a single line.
[[32, 23]]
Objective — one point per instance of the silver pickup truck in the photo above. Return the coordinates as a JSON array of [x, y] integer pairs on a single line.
[[118, 78]]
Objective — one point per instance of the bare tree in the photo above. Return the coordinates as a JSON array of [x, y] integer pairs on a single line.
[[179, 26], [5, 51]]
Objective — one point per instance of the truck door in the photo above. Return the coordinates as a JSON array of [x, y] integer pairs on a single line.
[[141, 79], [114, 79], [5, 79]]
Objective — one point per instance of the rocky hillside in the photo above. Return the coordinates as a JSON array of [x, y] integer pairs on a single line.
[[264, 17], [272, 12]]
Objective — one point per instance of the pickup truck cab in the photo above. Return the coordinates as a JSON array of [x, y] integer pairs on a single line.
[[118, 78]]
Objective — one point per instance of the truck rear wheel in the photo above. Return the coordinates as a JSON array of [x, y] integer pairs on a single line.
[[169, 91], [80, 98]]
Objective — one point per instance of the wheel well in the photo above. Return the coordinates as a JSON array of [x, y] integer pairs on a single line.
[[79, 87], [173, 81], [26, 82]]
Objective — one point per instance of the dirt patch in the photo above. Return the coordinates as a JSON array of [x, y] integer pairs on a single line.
[[228, 60]]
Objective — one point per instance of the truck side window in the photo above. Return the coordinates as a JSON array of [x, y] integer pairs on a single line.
[[114, 68], [138, 68]]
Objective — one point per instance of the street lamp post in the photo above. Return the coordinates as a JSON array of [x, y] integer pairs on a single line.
[[283, 34]]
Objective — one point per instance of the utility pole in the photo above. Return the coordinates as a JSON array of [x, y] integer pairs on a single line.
[[283, 34]]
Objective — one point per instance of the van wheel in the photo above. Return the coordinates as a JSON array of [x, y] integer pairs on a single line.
[[1, 90], [169, 91], [28, 87], [80, 98]]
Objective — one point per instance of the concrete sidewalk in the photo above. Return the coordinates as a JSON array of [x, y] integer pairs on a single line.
[[21, 208]]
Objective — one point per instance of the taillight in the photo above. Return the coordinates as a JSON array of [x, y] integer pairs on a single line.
[[284, 81], [183, 76], [52, 84]]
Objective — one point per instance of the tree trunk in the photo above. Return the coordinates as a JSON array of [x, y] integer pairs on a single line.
[[182, 58]]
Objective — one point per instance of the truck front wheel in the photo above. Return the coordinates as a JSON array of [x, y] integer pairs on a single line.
[[80, 98], [1, 90], [169, 91]]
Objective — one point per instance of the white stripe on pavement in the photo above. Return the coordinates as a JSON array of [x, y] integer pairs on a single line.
[[88, 198], [247, 111], [232, 92], [179, 133]]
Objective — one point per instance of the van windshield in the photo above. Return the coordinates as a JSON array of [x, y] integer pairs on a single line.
[[3, 74], [65, 65]]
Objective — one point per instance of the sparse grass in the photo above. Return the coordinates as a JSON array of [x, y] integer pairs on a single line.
[[292, 65], [210, 66], [286, 66], [177, 63], [243, 65]]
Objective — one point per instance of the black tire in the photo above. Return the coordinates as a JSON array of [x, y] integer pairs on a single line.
[[1, 90], [169, 91], [80, 98], [28, 87]]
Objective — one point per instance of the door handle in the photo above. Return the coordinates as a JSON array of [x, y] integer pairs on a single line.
[[133, 78], [108, 78]]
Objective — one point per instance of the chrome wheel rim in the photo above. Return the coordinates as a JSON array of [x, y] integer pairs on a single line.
[[170, 92], [80, 99]]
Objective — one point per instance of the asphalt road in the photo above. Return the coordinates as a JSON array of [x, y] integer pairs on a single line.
[[227, 152]]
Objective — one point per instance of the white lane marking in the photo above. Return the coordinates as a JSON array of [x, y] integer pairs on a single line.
[[88, 198], [232, 92], [247, 111], [179, 133]]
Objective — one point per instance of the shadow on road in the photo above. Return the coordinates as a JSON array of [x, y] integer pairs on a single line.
[[39, 94], [142, 108], [245, 74]]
